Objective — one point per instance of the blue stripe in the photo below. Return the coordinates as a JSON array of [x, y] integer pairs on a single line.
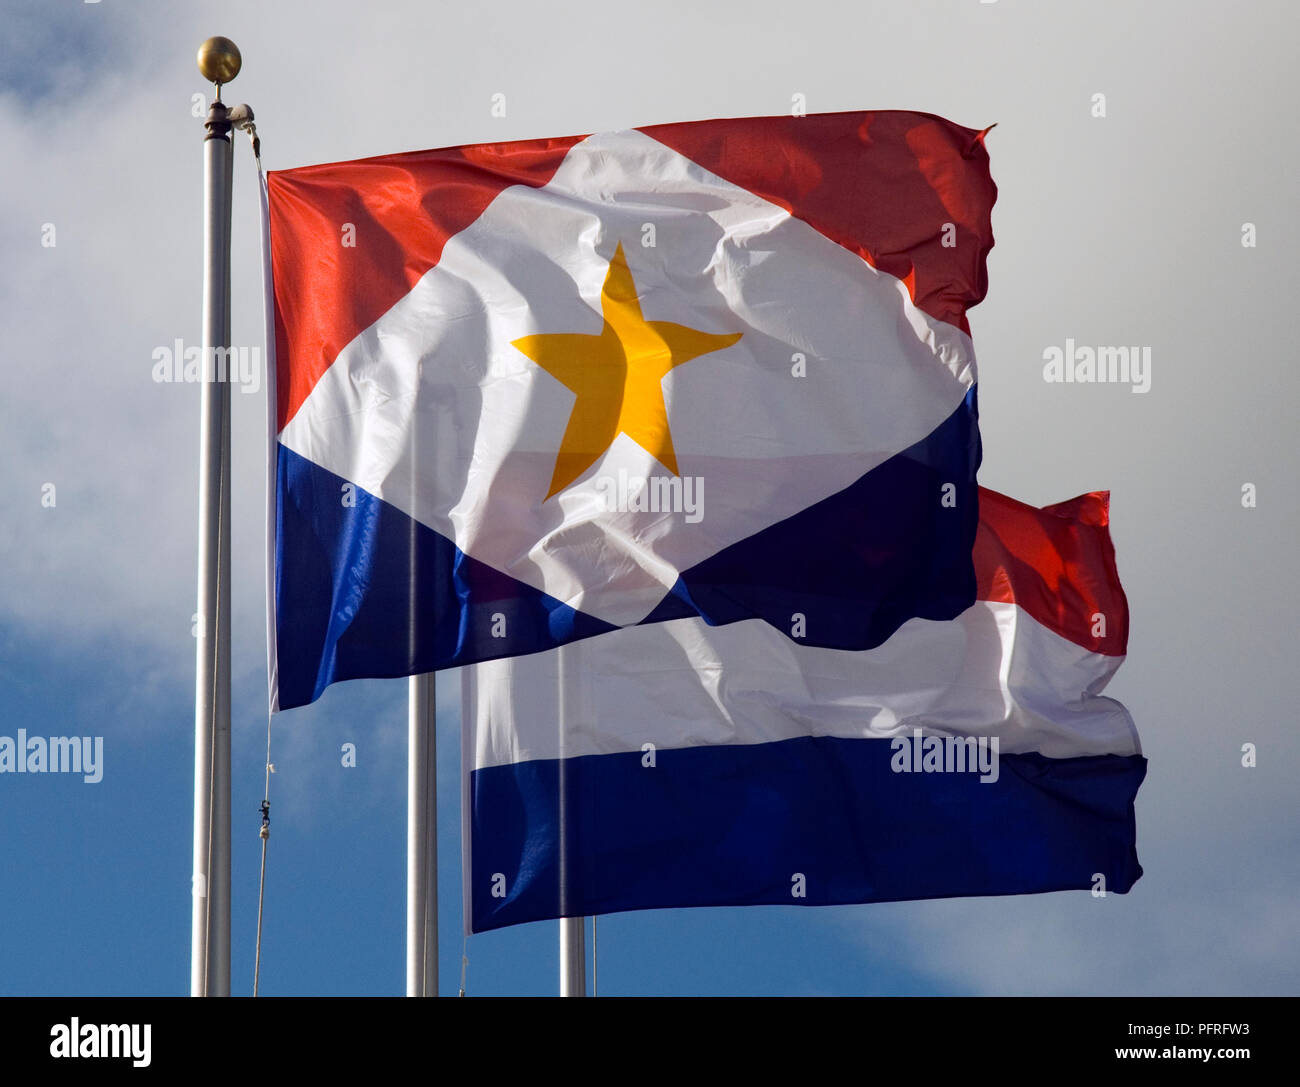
[[733, 825], [363, 591], [356, 588], [858, 565]]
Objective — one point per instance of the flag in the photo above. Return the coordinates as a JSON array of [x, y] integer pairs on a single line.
[[531, 393], [680, 764]]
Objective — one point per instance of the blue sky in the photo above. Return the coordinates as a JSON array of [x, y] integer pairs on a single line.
[[1117, 230]]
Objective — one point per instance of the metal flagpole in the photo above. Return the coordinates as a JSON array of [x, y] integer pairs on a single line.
[[421, 785], [573, 942], [422, 838], [219, 63], [421, 774], [573, 956]]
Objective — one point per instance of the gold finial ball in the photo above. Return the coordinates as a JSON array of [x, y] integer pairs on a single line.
[[219, 60]]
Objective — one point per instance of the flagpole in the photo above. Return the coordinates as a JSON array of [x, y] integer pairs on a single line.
[[422, 837], [219, 62], [573, 943], [573, 956]]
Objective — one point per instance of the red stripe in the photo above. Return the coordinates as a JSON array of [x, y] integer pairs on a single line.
[[881, 184], [403, 208], [1058, 563]]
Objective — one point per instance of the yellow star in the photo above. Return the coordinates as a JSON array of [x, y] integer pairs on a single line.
[[617, 376]]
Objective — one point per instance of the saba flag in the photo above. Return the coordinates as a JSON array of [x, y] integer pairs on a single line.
[[532, 393], [683, 764]]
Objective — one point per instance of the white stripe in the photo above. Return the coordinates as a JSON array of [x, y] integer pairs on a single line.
[[881, 375], [993, 671]]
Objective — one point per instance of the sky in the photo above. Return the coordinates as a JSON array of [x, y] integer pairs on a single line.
[[1126, 228]]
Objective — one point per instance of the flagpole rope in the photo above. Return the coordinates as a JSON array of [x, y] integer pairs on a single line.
[[245, 124], [264, 833]]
